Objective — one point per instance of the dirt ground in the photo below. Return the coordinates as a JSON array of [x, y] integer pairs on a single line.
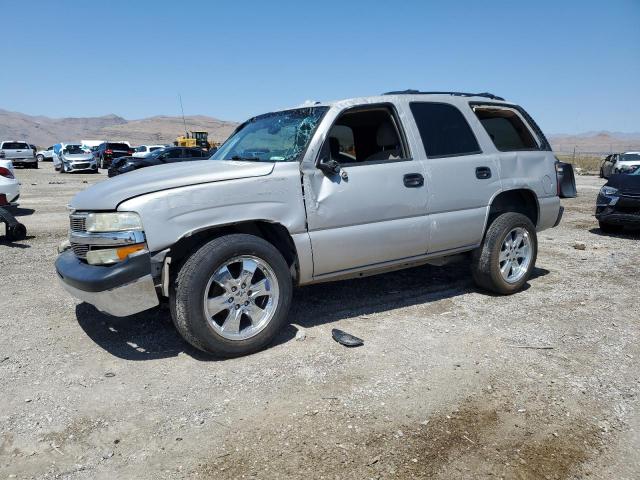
[[451, 383]]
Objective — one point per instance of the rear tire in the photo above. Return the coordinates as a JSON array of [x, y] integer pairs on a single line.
[[16, 232], [610, 228], [40, 158], [195, 283], [501, 251]]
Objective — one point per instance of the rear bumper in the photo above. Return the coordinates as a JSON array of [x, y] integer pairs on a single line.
[[120, 290], [11, 191], [550, 213], [23, 161], [559, 219]]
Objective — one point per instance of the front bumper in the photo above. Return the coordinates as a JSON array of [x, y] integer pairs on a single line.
[[621, 210], [81, 166], [616, 218], [120, 290]]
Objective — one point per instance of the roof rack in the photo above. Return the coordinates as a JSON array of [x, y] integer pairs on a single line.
[[457, 94]]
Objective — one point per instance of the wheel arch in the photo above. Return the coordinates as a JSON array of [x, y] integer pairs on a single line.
[[275, 233], [519, 200]]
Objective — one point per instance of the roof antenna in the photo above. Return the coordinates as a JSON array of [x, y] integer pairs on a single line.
[[183, 120]]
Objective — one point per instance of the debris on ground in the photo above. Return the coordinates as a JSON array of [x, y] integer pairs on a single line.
[[346, 339], [301, 334], [579, 245]]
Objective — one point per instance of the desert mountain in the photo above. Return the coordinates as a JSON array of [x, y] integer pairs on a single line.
[[45, 131], [595, 142]]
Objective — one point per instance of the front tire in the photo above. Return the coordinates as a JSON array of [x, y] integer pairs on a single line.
[[40, 158], [232, 296], [507, 256]]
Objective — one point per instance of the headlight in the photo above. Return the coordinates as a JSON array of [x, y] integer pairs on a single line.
[[609, 191], [113, 222], [108, 256]]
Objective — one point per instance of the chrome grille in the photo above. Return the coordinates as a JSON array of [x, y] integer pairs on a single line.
[[80, 250], [77, 223]]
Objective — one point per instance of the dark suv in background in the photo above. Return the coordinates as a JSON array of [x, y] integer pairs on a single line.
[[157, 157], [106, 152]]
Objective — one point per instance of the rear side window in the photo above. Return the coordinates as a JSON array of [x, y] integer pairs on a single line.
[[444, 130], [506, 129], [15, 146]]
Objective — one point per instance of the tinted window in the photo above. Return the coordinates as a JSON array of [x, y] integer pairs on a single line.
[[118, 146], [175, 153], [153, 149], [506, 129], [444, 130], [195, 153], [15, 146]]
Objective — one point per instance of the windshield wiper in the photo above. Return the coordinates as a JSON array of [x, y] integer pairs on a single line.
[[246, 159]]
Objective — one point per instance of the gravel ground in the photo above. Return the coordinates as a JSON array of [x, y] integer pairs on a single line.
[[442, 388]]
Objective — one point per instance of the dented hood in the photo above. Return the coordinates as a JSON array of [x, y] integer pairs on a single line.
[[106, 195]]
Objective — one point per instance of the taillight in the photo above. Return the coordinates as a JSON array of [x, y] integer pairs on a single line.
[[5, 172], [3, 199], [108, 152], [558, 168], [2, 154]]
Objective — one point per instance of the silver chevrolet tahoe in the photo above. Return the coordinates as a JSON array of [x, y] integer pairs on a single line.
[[321, 192]]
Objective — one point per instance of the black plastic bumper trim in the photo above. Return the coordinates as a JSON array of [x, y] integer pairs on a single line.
[[96, 278]]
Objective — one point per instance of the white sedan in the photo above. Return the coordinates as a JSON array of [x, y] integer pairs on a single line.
[[9, 186], [144, 150]]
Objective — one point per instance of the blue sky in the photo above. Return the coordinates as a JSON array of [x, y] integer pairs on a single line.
[[575, 65]]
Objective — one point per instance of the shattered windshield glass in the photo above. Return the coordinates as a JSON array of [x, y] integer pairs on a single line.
[[273, 137]]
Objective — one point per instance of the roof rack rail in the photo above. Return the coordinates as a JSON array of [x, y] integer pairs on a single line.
[[457, 94]]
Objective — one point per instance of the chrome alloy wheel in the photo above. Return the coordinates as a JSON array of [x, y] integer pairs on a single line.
[[515, 255], [241, 297]]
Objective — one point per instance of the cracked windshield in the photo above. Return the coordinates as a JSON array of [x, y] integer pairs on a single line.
[[274, 137]]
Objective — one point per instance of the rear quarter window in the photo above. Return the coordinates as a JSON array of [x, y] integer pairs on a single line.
[[444, 130], [507, 130]]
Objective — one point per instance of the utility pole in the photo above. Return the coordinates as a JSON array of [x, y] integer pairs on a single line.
[[183, 120]]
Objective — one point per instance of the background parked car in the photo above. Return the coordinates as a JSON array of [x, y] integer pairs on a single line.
[[626, 162], [108, 151], [9, 185], [19, 152], [618, 203], [74, 158], [159, 157], [45, 155], [144, 150]]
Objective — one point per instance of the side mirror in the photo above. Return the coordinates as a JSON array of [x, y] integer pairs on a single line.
[[329, 167], [326, 164]]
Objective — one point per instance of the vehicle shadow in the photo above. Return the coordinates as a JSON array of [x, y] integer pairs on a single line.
[[12, 244], [151, 335], [21, 212], [628, 233]]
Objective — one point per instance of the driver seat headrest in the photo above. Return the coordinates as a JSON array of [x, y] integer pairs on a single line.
[[386, 135]]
